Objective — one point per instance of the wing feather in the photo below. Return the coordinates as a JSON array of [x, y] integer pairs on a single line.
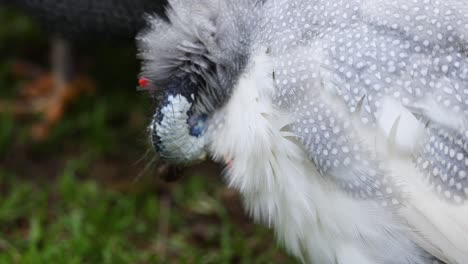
[[411, 152]]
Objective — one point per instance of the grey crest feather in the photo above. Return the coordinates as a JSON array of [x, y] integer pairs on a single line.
[[205, 40]]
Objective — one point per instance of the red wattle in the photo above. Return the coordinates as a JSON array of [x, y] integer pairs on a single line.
[[143, 82]]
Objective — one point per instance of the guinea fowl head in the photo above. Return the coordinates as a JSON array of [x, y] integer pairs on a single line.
[[190, 64]]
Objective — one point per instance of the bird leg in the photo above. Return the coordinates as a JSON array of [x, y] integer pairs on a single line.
[[65, 89], [50, 93]]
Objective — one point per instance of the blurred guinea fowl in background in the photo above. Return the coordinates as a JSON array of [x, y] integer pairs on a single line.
[[68, 21]]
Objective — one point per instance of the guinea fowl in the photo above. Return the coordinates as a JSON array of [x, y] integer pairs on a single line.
[[342, 123]]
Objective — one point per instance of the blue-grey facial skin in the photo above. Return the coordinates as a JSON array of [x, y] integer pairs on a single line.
[[197, 124], [177, 134]]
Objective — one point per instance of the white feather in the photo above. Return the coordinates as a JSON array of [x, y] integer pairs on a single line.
[[440, 115], [399, 125]]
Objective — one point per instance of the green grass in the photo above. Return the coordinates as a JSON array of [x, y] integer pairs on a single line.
[[81, 221], [83, 196]]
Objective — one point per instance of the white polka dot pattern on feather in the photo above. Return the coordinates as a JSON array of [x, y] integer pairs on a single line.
[[365, 51]]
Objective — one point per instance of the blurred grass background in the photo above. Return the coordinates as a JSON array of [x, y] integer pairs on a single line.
[[83, 195]]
